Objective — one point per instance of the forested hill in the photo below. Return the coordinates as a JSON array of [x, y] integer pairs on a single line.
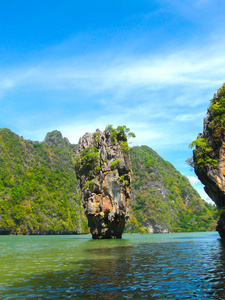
[[39, 192], [163, 200]]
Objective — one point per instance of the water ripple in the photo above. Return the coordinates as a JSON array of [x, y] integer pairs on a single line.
[[173, 266]]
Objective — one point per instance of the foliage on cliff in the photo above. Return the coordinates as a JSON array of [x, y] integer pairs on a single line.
[[164, 199], [209, 155], [216, 113], [39, 192], [207, 143], [38, 188], [119, 134], [204, 153]]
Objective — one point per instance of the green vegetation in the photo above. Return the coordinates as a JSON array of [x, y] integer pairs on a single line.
[[38, 188], [96, 137], [214, 133], [217, 115], [39, 192], [161, 195], [119, 134], [88, 160], [115, 164], [204, 155], [123, 180], [88, 184], [124, 147]]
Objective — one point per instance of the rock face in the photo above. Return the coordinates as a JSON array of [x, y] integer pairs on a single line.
[[103, 168], [153, 227], [209, 155]]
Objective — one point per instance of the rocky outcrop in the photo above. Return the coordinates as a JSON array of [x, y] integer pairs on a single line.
[[154, 227], [55, 138], [209, 155], [103, 168]]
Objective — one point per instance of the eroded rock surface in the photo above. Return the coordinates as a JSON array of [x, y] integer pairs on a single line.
[[209, 155], [103, 168]]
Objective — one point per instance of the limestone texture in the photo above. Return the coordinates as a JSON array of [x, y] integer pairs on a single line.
[[209, 156], [104, 170]]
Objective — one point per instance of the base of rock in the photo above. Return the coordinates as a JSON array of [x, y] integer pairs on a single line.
[[103, 228], [101, 237], [221, 226]]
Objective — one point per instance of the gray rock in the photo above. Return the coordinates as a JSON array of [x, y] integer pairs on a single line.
[[103, 168]]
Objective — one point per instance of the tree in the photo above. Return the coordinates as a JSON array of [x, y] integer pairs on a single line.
[[121, 133]]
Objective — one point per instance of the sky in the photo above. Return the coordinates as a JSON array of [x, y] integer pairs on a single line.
[[75, 66]]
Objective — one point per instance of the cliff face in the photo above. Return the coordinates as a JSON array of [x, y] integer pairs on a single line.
[[103, 168], [209, 155]]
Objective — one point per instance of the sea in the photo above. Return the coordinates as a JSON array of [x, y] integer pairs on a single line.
[[138, 266]]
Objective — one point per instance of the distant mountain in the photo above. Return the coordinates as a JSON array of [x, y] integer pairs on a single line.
[[163, 200], [39, 192]]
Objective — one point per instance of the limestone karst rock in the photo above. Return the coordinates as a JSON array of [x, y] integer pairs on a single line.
[[103, 168], [209, 155]]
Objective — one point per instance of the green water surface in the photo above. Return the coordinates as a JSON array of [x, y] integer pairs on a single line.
[[151, 265]]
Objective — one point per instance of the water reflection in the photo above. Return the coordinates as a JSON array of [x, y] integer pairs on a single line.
[[135, 267], [216, 271]]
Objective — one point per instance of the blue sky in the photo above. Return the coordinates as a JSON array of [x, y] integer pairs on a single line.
[[79, 65]]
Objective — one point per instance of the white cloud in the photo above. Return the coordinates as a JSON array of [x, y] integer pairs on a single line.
[[190, 117], [6, 83], [203, 2], [196, 183], [154, 95], [203, 195], [194, 180], [202, 68]]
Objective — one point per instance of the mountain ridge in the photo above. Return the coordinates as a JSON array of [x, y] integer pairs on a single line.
[[40, 194]]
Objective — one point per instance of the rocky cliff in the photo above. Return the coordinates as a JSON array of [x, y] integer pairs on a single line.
[[103, 168], [209, 155]]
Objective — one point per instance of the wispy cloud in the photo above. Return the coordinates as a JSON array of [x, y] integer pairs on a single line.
[[193, 180], [200, 188], [189, 117], [162, 82], [202, 68], [152, 94]]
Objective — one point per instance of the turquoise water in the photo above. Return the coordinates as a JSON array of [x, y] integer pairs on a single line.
[[151, 266]]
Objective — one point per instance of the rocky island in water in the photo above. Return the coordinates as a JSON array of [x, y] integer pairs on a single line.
[[104, 170]]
